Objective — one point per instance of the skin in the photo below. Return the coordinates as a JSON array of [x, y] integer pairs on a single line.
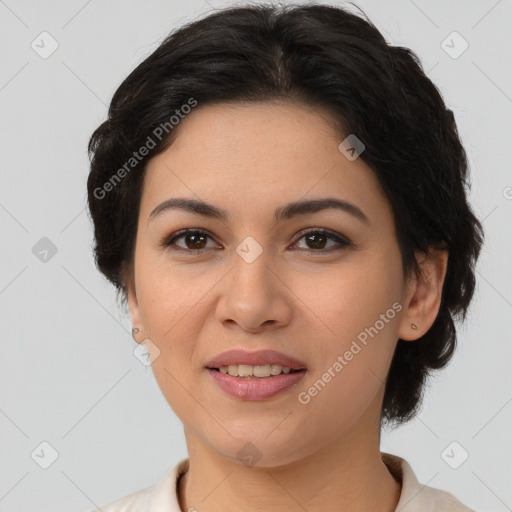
[[249, 159]]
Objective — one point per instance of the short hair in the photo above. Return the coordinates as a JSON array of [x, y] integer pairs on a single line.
[[329, 58]]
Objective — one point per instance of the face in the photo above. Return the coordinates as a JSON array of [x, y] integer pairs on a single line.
[[322, 285]]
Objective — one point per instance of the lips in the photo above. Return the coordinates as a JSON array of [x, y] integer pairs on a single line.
[[257, 358], [256, 389]]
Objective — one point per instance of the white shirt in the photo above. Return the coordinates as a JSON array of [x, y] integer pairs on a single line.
[[414, 497]]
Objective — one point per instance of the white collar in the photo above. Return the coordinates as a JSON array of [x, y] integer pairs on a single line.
[[414, 497]]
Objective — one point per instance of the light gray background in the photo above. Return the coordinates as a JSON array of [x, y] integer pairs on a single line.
[[68, 375]]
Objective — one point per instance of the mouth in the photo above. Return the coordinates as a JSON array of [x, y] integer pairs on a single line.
[[252, 387], [245, 371], [255, 376], [262, 363]]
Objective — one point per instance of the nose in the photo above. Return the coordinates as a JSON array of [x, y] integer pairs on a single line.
[[254, 296]]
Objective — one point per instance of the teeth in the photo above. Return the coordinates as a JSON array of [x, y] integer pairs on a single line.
[[246, 370]]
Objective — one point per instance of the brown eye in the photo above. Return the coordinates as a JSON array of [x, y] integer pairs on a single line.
[[193, 240], [317, 240]]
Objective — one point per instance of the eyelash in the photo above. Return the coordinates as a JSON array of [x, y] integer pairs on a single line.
[[342, 241]]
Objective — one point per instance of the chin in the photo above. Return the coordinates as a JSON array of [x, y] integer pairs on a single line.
[[260, 450]]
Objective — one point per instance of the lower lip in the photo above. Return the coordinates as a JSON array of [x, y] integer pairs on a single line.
[[255, 388]]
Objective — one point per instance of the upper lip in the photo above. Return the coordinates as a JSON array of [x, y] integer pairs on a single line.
[[257, 358]]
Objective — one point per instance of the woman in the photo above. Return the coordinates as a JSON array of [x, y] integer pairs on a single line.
[[279, 197]]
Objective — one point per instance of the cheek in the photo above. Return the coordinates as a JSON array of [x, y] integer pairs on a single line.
[[351, 372], [166, 306], [170, 295], [173, 300], [345, 299], [358, 314], [167, 309]]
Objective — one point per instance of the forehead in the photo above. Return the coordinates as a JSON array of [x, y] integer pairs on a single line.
[[259, 155]]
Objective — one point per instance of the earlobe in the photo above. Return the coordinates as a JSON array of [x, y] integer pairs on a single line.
[[131, 295], [423, 298]]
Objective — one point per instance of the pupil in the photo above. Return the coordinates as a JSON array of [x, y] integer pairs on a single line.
[[316, 246], [194, 240]]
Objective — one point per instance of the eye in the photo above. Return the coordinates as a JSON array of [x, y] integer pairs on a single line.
[[318, 239], [193, 239]]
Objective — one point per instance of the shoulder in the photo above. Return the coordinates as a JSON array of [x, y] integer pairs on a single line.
[[135, 501], [161, 496], [417, 497]]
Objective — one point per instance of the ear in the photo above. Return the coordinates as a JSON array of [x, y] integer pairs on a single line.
[[129, 283], [423, 296]]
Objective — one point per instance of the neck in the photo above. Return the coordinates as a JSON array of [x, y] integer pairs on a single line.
[[347, 474]]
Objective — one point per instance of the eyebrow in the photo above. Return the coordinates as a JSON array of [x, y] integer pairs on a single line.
[[281, 213]]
